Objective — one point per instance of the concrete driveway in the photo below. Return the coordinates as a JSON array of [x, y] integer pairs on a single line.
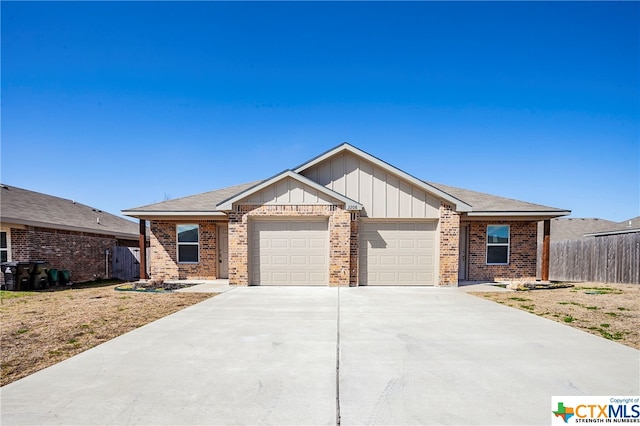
[[302, 355]]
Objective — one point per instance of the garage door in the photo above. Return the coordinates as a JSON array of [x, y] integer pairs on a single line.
[[289, 252], [397, 253]]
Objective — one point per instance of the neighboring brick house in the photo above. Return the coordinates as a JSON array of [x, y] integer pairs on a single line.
[[343, 218], [66, 234]]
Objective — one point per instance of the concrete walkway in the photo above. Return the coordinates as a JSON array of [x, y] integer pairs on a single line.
[[308, 356]]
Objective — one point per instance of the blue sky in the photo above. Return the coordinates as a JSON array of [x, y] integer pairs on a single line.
[[121, 104]]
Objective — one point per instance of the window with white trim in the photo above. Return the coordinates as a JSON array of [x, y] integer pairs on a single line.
[[4, 246], [498, 240], [188, 243]]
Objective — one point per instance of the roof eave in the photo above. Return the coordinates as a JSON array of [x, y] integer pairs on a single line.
[[39, 224], [543, 214], [604, 233], [142, 214]]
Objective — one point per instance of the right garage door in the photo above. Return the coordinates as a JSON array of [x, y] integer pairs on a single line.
[[397, 253]]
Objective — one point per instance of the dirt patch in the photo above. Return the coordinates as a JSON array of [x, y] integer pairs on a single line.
[[40, 329], [611, 311]]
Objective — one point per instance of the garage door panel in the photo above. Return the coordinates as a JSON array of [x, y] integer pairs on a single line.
[[298, 276], [397, 253], [299, 243], [318, 278], [426, 244], [407, 260], [407, 244], [318, 243], [317, 260], [279, 243], [298, 260], [289, 252]]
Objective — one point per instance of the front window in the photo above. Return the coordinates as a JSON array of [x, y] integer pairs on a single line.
[[498, 240], [188, 244]]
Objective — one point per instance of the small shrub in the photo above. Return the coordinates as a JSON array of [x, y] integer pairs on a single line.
[[568, 318]]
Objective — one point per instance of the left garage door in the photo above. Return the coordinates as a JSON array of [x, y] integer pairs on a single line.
[[289, 252]]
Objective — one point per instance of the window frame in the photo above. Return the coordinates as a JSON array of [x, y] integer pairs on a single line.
[[489, 244], [187, 243], [8, 240]]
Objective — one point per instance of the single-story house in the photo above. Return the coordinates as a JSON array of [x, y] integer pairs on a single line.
[[66, 234], [343, 218]]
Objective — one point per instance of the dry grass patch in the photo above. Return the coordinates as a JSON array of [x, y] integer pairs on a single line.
[[611, 311], [40, 329]]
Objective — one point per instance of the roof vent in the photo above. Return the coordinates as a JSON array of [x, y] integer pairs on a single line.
[[98, 220]]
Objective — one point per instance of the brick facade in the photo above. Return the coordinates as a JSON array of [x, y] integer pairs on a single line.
[[82, 253], [449, 230], [522, 252], [164, 252], [343, 250], [339, 237]]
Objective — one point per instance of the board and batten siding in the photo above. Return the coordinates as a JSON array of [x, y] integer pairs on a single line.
[[289, 191], [382, 194]]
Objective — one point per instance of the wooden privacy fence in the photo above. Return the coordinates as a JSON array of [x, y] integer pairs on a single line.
[[125, 263], [611, 259]]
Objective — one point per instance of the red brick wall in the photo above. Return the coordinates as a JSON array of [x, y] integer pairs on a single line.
[[81, 253], [164, 258], [522, 252]]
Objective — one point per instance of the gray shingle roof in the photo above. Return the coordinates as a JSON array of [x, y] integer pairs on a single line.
[[482, 202], [21, 206], [570, 228], [205, 202], [630, 223]]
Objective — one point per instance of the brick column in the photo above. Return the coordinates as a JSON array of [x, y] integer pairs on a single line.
[[355, 249], [238, 249], [339, 248], [449, 246]]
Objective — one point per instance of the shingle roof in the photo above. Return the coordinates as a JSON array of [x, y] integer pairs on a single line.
[[482, 202], [631, 223], [570, 228], [205, 202], [21, 206]]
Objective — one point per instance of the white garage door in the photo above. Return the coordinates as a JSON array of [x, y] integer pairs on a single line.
[[397, 253], [292, 252]]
